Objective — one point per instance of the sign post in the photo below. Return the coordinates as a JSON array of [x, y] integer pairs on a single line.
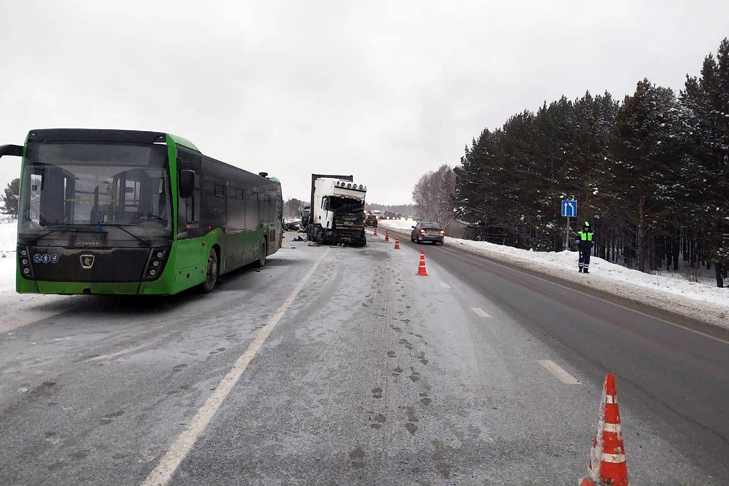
[[569, 210]]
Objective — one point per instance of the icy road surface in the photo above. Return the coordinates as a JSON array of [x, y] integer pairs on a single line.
[[476, 374]]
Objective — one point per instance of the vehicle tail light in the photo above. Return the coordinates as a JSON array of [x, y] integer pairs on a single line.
[[156, 263], [26, 269]]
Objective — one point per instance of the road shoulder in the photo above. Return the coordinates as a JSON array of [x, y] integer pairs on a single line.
[[695, 315]]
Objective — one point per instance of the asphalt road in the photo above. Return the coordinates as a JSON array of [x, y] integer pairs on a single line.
[[341, 366]]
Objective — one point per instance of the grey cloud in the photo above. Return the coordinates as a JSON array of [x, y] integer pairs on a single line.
[[385, 90]]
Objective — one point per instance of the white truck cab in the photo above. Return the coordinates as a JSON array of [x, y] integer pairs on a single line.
[[337, 212]]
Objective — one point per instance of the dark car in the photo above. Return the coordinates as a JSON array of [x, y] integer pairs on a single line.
[[371, 220], [431, 232], [292, 225]]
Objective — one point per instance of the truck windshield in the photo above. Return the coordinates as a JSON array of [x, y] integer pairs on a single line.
[[68, 185], [343, 204]]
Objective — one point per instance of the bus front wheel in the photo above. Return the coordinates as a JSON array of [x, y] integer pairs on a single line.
[[211, 276]]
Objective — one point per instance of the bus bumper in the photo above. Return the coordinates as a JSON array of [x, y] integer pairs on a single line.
[[161, 286], [24, 286]]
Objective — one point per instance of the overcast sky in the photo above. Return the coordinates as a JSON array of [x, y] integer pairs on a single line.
[[383, 90]]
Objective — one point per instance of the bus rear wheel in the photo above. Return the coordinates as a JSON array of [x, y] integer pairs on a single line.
[[211, 277]]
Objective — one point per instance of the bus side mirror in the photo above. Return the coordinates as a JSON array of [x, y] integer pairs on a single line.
[[14, 150], [187, 183]]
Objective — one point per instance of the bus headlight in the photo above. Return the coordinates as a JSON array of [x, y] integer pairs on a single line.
[[26, 269], [155, 263]]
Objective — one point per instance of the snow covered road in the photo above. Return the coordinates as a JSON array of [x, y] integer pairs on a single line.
[[672, 292], [372, 375]]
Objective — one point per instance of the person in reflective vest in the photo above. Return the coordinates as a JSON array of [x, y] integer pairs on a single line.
[[584, 243]]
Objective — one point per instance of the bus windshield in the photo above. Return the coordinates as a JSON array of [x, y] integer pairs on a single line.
[[67, 185]]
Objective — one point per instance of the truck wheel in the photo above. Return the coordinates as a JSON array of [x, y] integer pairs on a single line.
[[362, 241], [261, 256], [211, 277]]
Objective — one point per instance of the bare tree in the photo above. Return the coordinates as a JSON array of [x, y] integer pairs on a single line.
[[434, 196]]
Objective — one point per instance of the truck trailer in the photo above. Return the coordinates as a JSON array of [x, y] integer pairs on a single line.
[[337, 210]]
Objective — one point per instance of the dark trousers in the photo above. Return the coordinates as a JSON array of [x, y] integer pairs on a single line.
[[584, 261]]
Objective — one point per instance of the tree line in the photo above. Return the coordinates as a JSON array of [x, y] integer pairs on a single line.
[[10, 198], [396, 210], [651, 173]]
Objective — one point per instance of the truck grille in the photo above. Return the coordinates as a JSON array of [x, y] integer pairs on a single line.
[[349, 221]]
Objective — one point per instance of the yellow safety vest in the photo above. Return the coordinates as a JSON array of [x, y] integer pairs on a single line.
[[585, 235]]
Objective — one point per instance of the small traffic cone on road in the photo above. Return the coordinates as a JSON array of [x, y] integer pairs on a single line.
[[397, 243], [387, 236], [607, 464], [375, 233], [421, 266]]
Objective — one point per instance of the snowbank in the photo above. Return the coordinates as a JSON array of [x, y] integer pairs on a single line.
[[397, 224], [673, 292], [17, 310], [7, 255]]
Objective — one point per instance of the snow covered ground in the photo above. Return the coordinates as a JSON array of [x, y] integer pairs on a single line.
[[397, 224], [671, 291], [7, 255], [17, 310]]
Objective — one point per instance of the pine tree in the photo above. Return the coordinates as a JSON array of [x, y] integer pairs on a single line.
[[706, 99], [652, 173], [10, 198]]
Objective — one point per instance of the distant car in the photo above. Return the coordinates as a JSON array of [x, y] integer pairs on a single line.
[[292, 226], [371, 220], [431, 232]]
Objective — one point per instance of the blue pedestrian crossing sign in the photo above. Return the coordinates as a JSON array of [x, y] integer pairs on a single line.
[[569, 208]]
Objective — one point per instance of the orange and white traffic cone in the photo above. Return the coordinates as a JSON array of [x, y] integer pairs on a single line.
[[607, 464], [421, 266], [387, 236], [397, 243]]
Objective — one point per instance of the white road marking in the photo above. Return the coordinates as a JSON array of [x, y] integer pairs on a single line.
[[480, 312], [445, 285], [171, 460], [558, 372]]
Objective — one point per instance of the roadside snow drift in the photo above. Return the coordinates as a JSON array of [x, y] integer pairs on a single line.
[[7, 255], [17, 310]]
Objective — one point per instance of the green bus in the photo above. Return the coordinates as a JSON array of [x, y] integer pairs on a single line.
[[136, 212]]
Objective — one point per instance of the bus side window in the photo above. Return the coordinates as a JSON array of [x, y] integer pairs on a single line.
[[252, 213], [236, 207], [190, 207], [188, 212]]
